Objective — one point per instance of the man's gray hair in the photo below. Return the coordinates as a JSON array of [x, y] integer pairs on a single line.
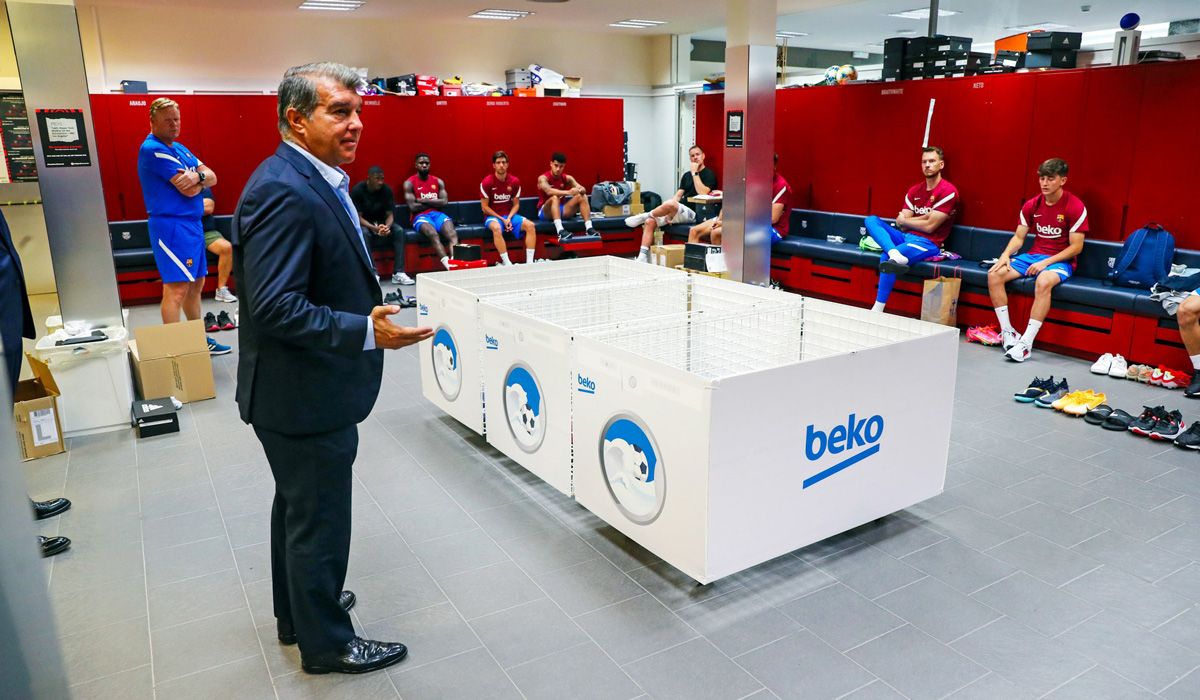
[[298, 89]]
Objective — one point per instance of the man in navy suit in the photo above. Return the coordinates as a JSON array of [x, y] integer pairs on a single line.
[[313, 331], [16, 322]]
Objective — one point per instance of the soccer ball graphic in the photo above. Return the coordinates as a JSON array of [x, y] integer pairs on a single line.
[[632, 469], [445, 364], [524, 407]]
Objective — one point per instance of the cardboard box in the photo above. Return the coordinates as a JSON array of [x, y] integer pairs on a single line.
[[721, 275], [574, 85], [154, 417], [451, 91], [172, 360], [524, 92], [668, 255], [634, 206], [35, 412]]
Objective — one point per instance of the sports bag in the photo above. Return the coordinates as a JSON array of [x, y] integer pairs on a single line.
[[1145, 258], [612, 194]]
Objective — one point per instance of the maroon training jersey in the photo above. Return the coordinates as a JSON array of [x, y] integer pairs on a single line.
[[556, 183], [1054, 223], [425, 190], [500, 193], [943, 197], [781, 193]]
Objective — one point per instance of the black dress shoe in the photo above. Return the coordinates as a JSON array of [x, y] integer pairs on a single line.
[[49, 509], [358, 656], [53, 545], [287, 635]]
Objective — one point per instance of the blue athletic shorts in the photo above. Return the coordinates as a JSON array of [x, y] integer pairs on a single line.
[[178, 245], [542, 212], [775, 237], [436, 219], [517, 222], [1021, 264]]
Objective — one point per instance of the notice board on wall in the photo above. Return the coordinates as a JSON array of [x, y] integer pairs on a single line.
[[17, 162], [64, 138]]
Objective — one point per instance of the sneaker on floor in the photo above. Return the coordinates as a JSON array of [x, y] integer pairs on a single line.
[[1037, 388], [1168, 427], [637, 219], [1084, 405], [1070, 399], [984, 335], [1156, 376], [1133, 372], [1119, 367], [1190, 438], [393, 298], [1143, 424], [215, 348], [1053, 394], [224, 295], [225, 322], [1145, 374], [1008, 339], [210, 323], [401, 278], [1019, 352], [1193, 389], [1173, 379], [1103, 364]]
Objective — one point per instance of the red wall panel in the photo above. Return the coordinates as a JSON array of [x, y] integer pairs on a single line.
[[234, 133], [1102, 170]]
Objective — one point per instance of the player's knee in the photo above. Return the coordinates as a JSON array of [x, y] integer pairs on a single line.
[[1045, 282], [1189, 310]]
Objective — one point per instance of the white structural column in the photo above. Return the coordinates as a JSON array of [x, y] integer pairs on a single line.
[[749, 138]]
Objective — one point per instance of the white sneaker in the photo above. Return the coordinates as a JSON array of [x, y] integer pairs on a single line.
[[1008, 339], [1019, 352], [1103, 364], [636, 220], [401, 278], [223, 294], [1119, 367]]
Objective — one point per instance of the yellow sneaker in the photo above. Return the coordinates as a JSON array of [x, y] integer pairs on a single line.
[[1081, 407], [1068, 399]]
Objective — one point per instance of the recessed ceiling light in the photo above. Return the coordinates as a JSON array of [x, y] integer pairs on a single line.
[[332, 5], [500, 14], [1036, 25], [922, 13], [637, 23]]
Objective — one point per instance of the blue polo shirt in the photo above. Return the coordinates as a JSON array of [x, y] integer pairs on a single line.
[[157, 164]]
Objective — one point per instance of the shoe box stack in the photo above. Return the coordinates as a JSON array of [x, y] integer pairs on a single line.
[[938, 56], [1052, 49]]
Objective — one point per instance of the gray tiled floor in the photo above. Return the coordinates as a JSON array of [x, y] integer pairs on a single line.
[[1061, 561]]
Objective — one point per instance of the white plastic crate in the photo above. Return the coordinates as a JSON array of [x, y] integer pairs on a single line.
[[448, 302], [721, 439]]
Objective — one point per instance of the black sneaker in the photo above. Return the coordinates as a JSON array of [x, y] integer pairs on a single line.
[[893, 267], [210, 322], [1168, 427], [1193, 390], [565, 236], [1190, 438], [1036, 389], [225, 322], [1146, 422], [393, 298]]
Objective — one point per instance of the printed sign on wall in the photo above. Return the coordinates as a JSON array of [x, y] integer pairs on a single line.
[[64, 138]]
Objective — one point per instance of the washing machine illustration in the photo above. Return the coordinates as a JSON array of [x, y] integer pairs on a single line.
[[633, 468], [447, 370], [524, 407]]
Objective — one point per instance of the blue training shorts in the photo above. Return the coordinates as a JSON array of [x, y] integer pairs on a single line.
[[1022, 262], [518, 221], [436, 219], [542, 212], [775, 237], [178, 245]]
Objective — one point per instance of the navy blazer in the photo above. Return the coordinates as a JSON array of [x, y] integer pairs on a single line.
[[306, 288], [16, 320]]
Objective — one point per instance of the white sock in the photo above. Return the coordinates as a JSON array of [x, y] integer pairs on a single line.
[[644, 253], [588, 224], [877, 307], [529, 255], [558, 226], [446, 261], [504, 258], [1031, 332], [1196, 362], [1002, 316], [895, 256]]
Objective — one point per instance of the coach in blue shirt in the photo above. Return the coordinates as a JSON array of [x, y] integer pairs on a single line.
[[172, 181]]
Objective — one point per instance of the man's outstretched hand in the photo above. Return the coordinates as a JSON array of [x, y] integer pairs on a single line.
[[389, 336]]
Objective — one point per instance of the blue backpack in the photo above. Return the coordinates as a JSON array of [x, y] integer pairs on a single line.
[[1145, 258]]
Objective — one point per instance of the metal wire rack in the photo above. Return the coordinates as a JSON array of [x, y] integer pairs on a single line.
[[491, 281], [831, 329], [600, 303], [712, 294]]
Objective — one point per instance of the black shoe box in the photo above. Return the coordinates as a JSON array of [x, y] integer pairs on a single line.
[[937, 44], [1053, 41], [954, 61], [893, 74], [977, 60], [1010, 59], [466, 252], [695, 255], [893, 52], [152, 417], [1051, 59]]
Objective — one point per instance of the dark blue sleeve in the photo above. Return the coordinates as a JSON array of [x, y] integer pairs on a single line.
[[277, 234]]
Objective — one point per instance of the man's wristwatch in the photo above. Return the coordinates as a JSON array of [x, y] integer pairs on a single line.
[[201, 174]]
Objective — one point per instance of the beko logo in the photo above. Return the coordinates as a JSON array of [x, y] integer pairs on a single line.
[[423, 310], [585, 385], [857, 433], [492, 343], [1049, 231]]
